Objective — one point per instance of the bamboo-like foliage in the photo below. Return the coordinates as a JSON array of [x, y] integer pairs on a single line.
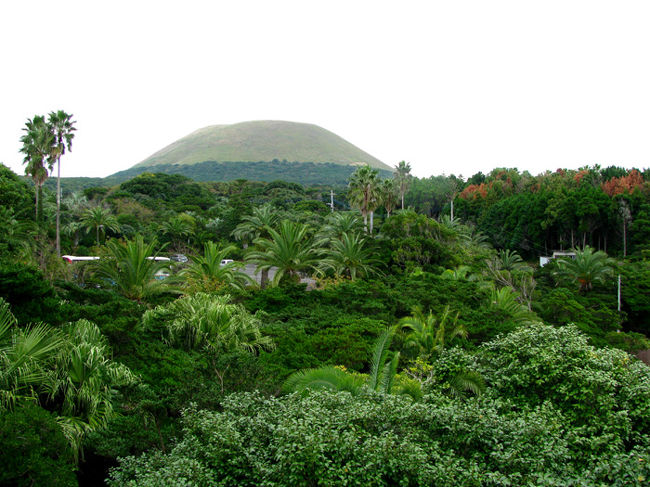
[[505, 301], [207, 274], [430, 334]]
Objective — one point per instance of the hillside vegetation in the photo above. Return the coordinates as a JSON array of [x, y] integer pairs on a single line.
[[264, 141], [376, 345]]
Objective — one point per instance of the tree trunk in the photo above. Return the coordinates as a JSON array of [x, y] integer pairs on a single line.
[[264, 278], [58, 207], [402, 200], [365, 222], [36, 204], [452, 209], [372, 219], [624, 239], [39, 214]]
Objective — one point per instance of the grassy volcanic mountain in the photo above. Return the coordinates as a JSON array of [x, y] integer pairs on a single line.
[[262, 141]]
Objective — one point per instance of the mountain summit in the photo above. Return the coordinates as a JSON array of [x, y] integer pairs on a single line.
[[263, 140]]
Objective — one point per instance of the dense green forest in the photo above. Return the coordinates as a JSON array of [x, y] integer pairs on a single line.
[[377, 344]]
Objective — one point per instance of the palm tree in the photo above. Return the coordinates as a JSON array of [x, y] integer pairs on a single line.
[[588, 268], [389, 195], [326, 377], [257, 226], [505, 300], [349, 257], [207, 322], [178, 229], [206, 273], [132, 268], [460, 273], [62, 127], [383, 371], [402, 176], [100, 219], [510, 260], [25, 358], [363, 192], [336, 224], [85, 382], [39, 148], [210, 324], [289, 249], [428, 334]]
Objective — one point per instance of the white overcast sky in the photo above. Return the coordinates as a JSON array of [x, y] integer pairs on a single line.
[[452, 87]]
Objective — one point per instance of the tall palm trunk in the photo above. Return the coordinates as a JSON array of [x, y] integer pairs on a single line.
[[36, 203], [58, 207], [372, 219], [39, 204]]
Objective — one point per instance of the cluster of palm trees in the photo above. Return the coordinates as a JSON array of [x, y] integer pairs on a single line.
[[291, 249], [67, 370], [367, 192], [44, 142]]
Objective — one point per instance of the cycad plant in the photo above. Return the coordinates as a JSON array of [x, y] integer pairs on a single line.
[[255, 226], [207, 274], [349, 257], [588, 268], [289, 249], [381, 378], [131, 268]]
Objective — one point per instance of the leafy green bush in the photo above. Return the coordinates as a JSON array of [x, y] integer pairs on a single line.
[[31, 296], [326, 438], [33, 450]]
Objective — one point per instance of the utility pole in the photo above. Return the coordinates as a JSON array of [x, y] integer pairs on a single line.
[[332, 200], [619, 293]]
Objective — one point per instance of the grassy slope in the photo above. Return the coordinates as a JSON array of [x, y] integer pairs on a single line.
[[262, 141]]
